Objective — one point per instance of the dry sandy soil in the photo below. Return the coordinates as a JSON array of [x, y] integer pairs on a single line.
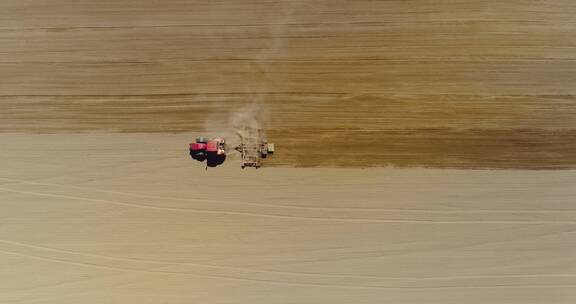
[[100, 203], [132, 219]]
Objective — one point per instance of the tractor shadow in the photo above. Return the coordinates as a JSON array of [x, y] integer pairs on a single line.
[[215, 160], [198, 156], [211, 160]]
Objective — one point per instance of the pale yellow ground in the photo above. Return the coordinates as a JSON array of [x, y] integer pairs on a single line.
[[132, 219]]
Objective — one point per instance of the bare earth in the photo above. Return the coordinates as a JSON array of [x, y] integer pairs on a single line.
[[100, 202], [458, 84], [126, 218]]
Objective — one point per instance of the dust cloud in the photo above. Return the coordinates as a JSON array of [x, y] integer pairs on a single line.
[[246, 124]]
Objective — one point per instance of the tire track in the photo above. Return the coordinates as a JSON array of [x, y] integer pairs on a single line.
[[278, 282], [279, 216], [293, 207], [437, 278], [260, 24]]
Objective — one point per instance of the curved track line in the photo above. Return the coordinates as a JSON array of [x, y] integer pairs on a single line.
[[274, 282], [286, 272], [296, 207], [352, 220]]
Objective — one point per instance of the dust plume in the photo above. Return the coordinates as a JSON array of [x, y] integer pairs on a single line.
[[248, 124]]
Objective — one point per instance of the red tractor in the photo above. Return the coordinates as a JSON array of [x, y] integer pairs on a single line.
[[212, 150]]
